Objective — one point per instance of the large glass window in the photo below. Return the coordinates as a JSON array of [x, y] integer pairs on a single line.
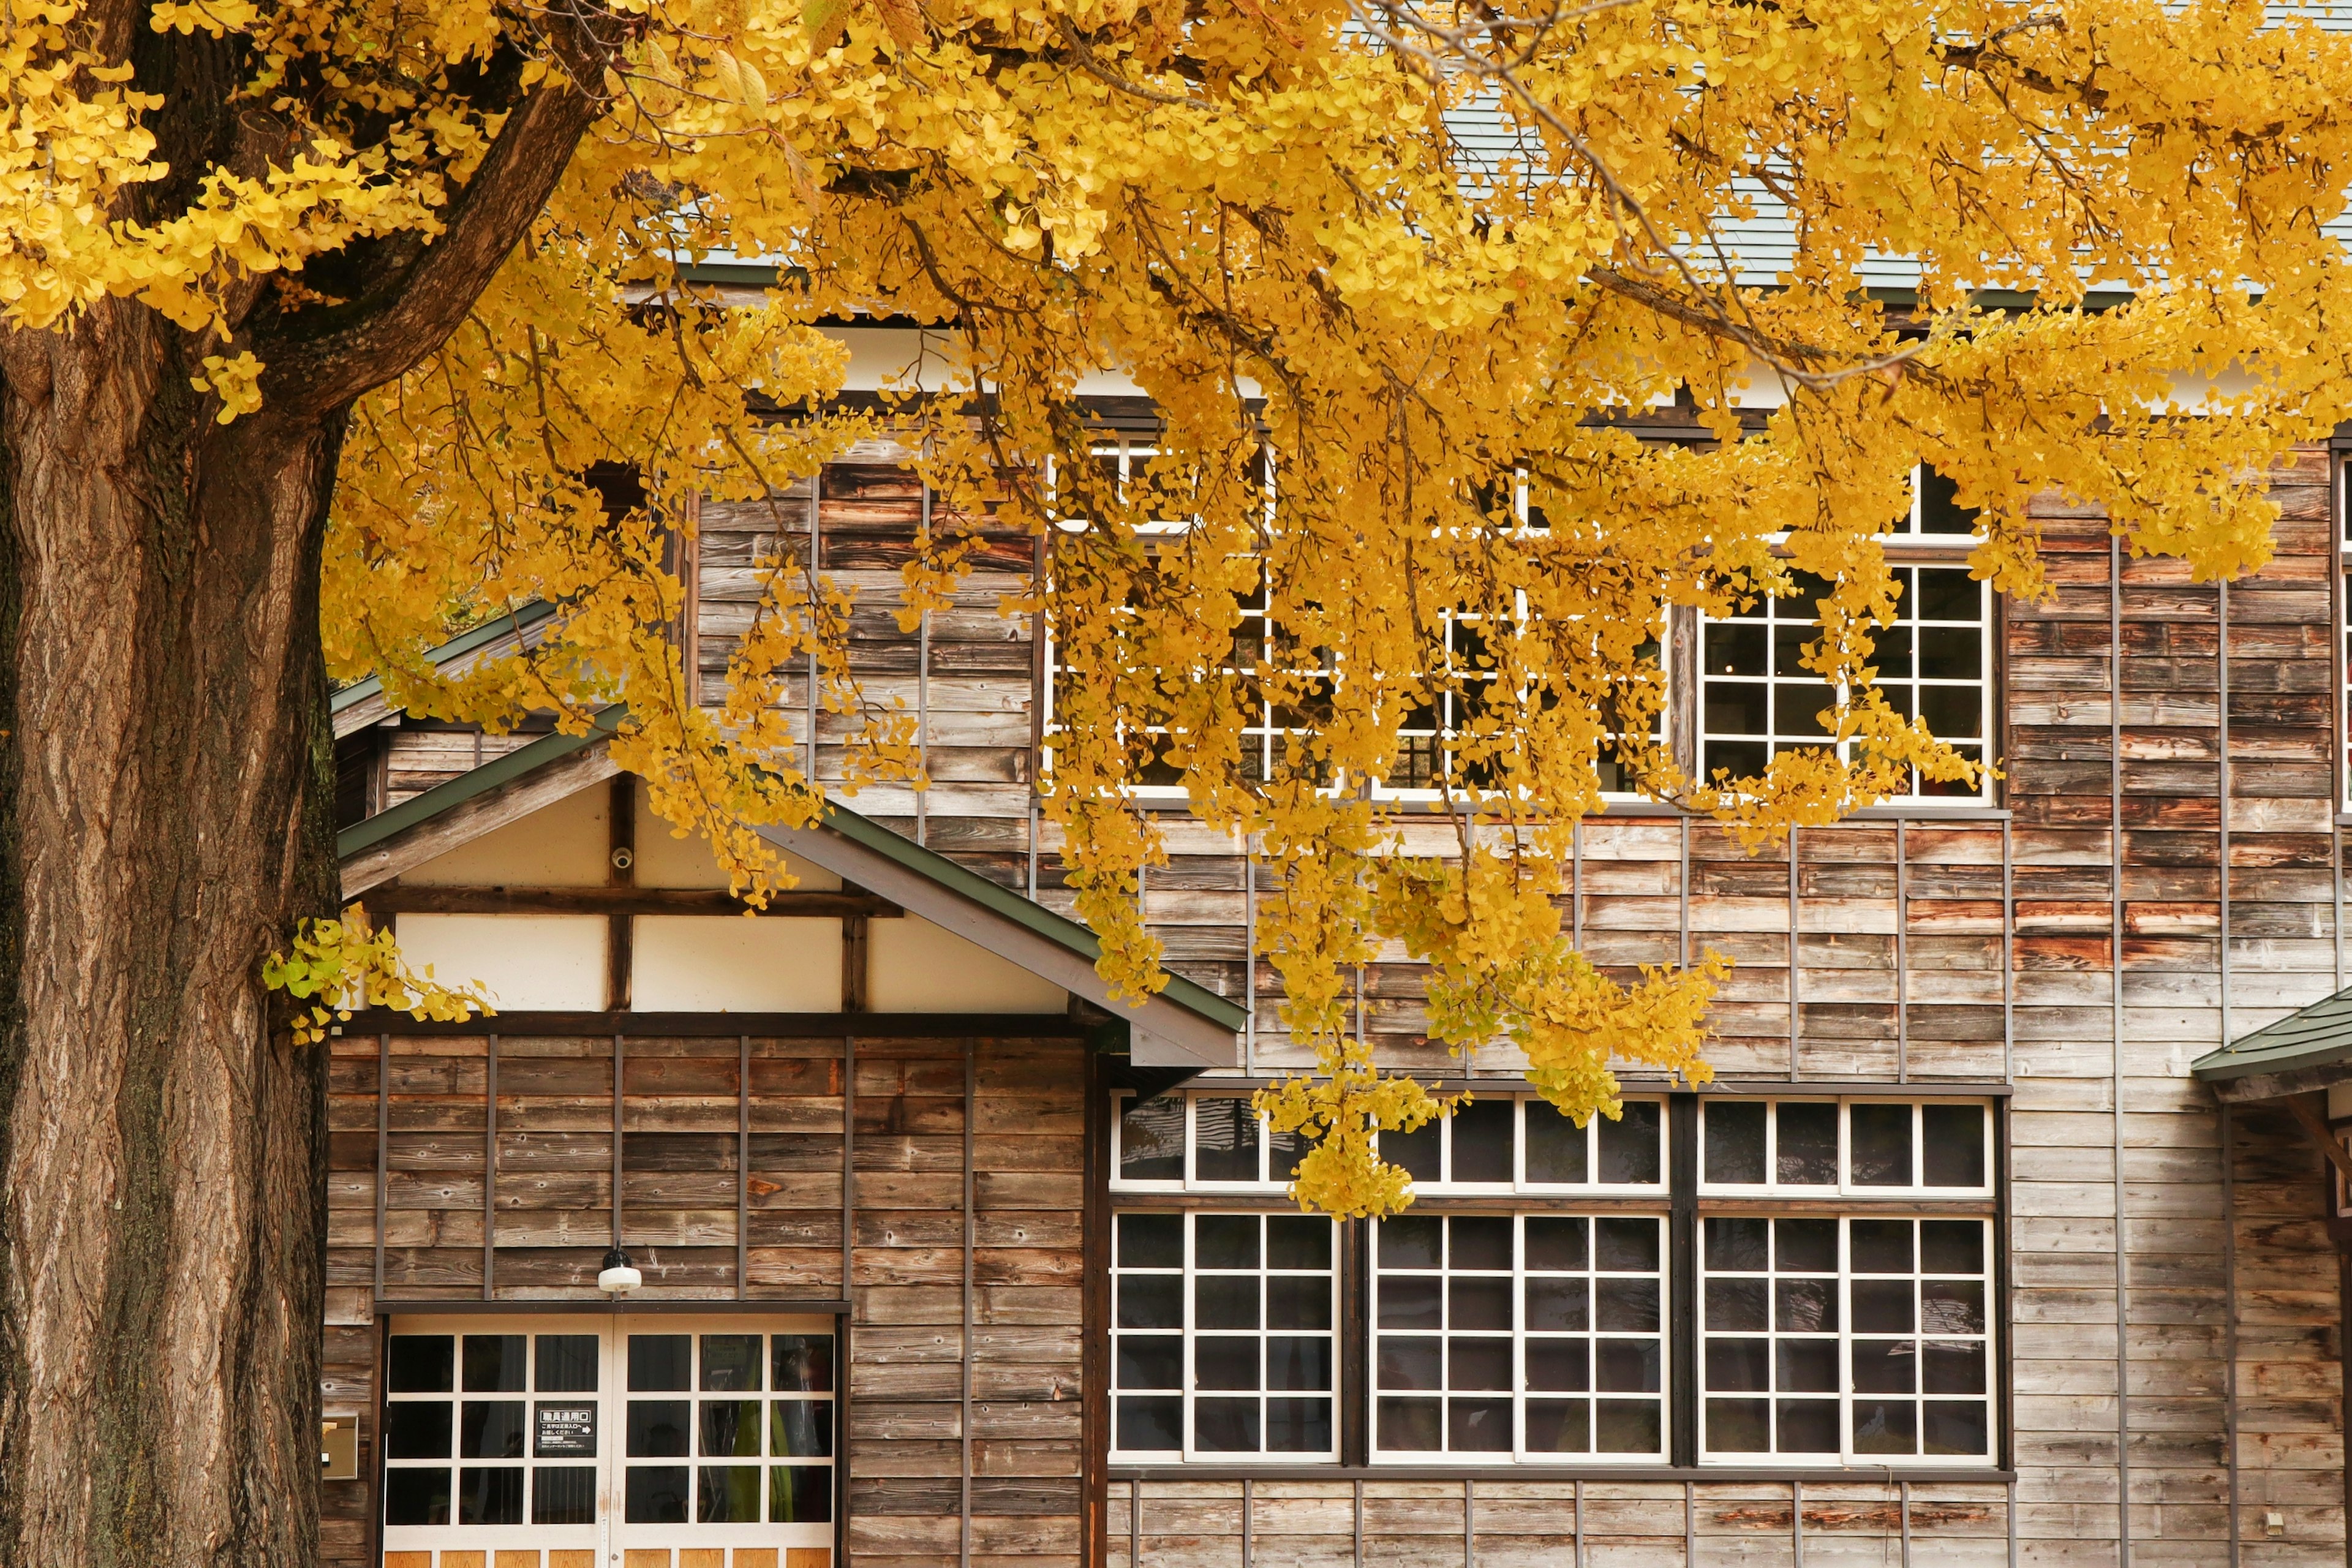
[[731, 1428], [491, 1428], [1225, 1338], [1863, 1147]]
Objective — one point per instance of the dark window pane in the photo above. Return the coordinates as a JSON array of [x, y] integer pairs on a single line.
[[497, 1364], [1225, 1141], [1885, 1427], [657, 1494], [1559, 1427], [1882, 1246], [1224, 1425], [731, 1428], [1151, 1301], [1882, 1306], [1297, 1426], [1410, 1304], [1284, 1151], [1409, 1426], [1419, 1152], [1151, 1139], [1954, 1368], [1626, 1246], [1892, 655], [1805, 1152], [1951, 1305], [658, 1363], [800, 1494], [419, 1363], [1736, 1304], [415, 1497], [1940, 511], [1224, 1302], [1736, 707], [1225, 1241], [1558, 1304], [1739, 1425], [1953, 712], [416, 1429], [1629, 1306], [1150, 1426], [567, 1364], [489, 1497], [1807, 1367], [657, 1427], [1880, 1154], [1298, 1241], [727, 1494], [1412, 1241], [1735, 649], [1411, 1362], [1478, 1426], [1486, 1141], [1809, 1426], [1480, 1242], [1300, 1364], [1951, 653], [730, 1364], [1805, 1306], [1629, 1145], [1298, 1301], [1555, 1243], [1737, 1245], [1801, 708], [1627, 1425], [490, 1429], [1223, 1363], [1625, 1366], [1951, 1247], [1150, 1361], [1556, 1146], [1737, 1366], [1790, 633], [1955, 1427], [801, 1363], [1734, 1143], [1805, 1246], [1481, 1303], [1886, 1366], [1477, 1365], [1151, 1241], [1739, 758], [800, 1428], [1952, 1142], [563, 1494]]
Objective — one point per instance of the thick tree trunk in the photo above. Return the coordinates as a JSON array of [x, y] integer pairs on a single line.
[[164, 785]]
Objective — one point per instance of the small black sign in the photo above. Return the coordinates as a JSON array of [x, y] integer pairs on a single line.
[[567, 1431]]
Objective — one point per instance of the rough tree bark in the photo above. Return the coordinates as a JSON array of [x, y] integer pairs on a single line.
[[166, 786]]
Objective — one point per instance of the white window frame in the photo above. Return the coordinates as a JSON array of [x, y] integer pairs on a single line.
[[1847, 1397], [1519, 1335], [1846, 1186], [1192, 1336]]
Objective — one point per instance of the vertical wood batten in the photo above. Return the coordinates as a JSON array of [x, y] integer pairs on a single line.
[[2230, 1320], [1902, 952], [743, 1167], [382, 1147], [963, 1426], [2115, 967], [490, 1170], [620, 1059]]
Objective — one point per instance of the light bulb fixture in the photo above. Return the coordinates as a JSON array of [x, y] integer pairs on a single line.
[[619, 1276]]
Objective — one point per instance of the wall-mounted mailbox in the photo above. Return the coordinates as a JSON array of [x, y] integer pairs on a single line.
[[339, 1447]]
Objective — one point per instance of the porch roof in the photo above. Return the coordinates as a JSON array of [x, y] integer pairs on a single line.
[[2307, 1050]]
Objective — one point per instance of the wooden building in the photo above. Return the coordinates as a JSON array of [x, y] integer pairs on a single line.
[[947, 1259]]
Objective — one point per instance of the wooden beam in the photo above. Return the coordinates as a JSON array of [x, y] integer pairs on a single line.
[[462, 824], [405, 899], [2314, 1122], [620, 878]]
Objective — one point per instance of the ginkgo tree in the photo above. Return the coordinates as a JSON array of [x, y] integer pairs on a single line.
[[316, 317]]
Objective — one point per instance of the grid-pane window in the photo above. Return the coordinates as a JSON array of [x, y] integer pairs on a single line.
[[1863, 1147], [1862, 1339], [1757, 698], [461, 1413], [1224, 1337], [731, 1428], [1530, 1337]]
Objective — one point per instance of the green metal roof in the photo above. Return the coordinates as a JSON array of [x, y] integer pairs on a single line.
[[417, 808], [2303, 1051], [489, 631]]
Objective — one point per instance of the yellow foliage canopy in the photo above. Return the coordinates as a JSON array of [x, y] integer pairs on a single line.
[[1395, 369]]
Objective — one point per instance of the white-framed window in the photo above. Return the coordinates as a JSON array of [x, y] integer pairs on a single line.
[[1208, 1141], [1936, 509], [657, 1430], [1519, 1337], [1853, 1146], [1866, 1338], [1225, 1338]]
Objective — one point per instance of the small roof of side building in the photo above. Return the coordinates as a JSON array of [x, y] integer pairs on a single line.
[[1185, 1025], [2306, 1050]]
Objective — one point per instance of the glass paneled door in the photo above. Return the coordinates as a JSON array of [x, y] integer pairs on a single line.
[[603, 1441]]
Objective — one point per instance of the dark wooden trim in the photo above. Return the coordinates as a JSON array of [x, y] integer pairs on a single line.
[[853, 963], [848, 1295], [631, 1305], [726, 1026], [2314, 1123], [1094, 1320], [1500, 1203], [1858, 1475], [620, 1062], [1912, 1207], [620, 878], [383, 1145], [490, 1169], [1682, 1254], [1353, 1395], [2005, 1285], [402, 899], [970, 1283], [743, 1167]]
